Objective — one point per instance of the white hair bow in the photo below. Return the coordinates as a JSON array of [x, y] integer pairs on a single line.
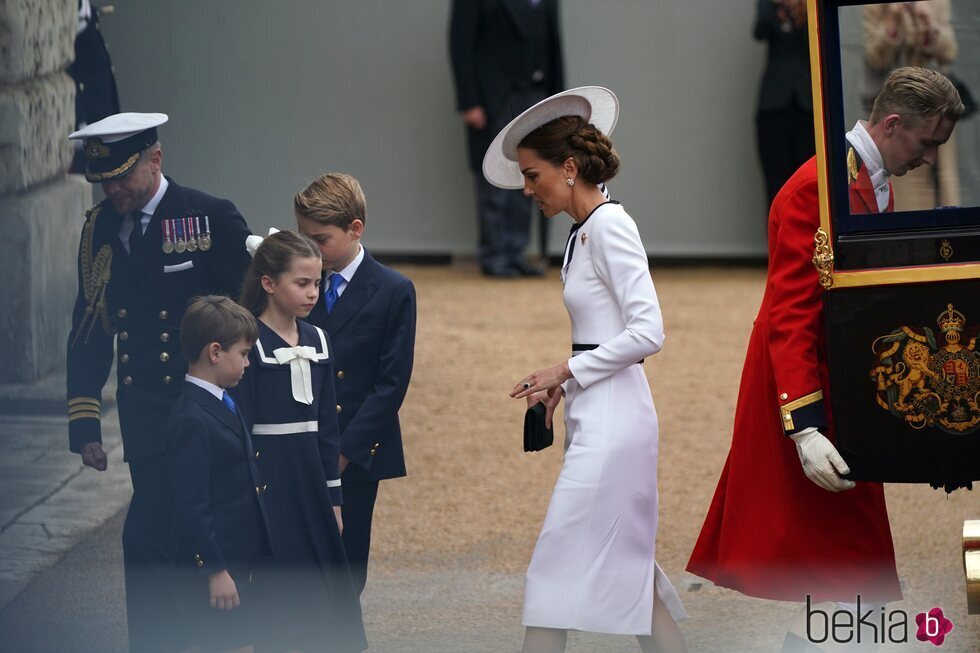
[[252, 242], [299, 370]]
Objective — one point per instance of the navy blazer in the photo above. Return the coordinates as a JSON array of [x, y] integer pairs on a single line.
[[215, 481], [372, 331]]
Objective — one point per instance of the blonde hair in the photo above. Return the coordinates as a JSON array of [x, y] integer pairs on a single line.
[[917, 94], [273, 257], [333, 199]]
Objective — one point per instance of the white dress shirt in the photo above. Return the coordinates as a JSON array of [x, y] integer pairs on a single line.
[[868, 151], [347, 273], [126, 228], [217, 391]]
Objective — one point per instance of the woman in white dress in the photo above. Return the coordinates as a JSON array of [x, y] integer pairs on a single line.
[[594, 566]]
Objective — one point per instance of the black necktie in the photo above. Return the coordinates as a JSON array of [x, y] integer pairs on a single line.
[[137, 233]]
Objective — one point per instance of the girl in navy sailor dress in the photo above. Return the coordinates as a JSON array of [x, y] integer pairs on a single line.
[[288, 400]]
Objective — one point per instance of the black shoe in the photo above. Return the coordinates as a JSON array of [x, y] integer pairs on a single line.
[[525, 269], [500, 271]]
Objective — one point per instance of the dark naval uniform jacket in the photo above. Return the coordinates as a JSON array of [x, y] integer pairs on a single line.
[[137, 299], [372, 330]]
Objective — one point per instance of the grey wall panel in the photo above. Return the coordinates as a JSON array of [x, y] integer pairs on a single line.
[[265, 96]]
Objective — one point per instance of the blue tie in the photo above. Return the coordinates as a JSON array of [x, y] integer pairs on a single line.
[[332, 296], [226, 398]]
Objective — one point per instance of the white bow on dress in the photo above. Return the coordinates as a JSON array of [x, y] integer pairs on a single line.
[[299, 370]]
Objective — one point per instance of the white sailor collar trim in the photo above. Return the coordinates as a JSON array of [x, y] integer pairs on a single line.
[[319, 344]]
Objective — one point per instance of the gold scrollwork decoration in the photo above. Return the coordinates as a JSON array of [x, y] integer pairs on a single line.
[[945, 249], [823, 258], [930, 383]]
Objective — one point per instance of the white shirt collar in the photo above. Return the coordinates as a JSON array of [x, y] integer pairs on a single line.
[[348, 272], [868, 151], [210, 387], [151, 206]]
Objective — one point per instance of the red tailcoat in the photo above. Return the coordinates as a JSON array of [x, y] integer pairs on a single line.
[[770, 532], [861, 194]]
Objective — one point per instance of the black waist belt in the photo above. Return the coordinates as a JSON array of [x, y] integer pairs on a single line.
[[576, 347]]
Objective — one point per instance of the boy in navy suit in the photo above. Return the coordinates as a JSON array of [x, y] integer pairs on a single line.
[[222, 526], [369, 312]]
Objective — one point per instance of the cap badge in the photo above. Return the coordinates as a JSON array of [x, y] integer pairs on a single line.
[[96, 149]]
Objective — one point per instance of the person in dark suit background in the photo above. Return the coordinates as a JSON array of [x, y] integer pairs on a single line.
[[223, 529], [145, 250], [506, 56], [96, 96], [368, 310], [784, 117]]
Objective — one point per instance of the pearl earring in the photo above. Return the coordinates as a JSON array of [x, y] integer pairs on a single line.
[[570, 182]]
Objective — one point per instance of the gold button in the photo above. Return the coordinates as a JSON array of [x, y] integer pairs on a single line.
[[340, 374], [122, 312], [265, 487], [123, 335], [164, 357], [787, 417], [339, 408], [124, 358], [164, 337], [200, 563], [197, 556], [256, 455], [164, 315], [168, 379], [128, 380], [257, 490], [783, 397]]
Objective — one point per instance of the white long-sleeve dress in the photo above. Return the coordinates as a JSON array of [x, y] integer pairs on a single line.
[[594, 566]]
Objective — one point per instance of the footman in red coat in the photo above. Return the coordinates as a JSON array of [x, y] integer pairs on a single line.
[[784, 522]]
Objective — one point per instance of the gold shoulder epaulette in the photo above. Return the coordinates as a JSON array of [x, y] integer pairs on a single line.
[[852, 165], [95, 277]]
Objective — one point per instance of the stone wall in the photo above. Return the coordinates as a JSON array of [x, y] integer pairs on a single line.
[[41, 207]]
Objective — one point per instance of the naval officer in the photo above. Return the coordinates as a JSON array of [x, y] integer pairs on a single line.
[[145, 250]]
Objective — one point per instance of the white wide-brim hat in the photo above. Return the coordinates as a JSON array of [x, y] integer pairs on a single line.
[[596, 104]]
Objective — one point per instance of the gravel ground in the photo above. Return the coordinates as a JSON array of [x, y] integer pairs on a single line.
[[452, 539]]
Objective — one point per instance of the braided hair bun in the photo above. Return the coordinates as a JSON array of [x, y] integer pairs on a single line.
[[573, 136]]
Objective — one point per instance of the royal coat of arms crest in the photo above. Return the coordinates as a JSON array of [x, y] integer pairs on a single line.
[[928, 383]]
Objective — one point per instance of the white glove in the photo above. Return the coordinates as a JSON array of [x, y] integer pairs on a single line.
[[822, 463]]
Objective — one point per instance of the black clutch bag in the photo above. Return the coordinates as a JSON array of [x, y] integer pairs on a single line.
[[536, 435]]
